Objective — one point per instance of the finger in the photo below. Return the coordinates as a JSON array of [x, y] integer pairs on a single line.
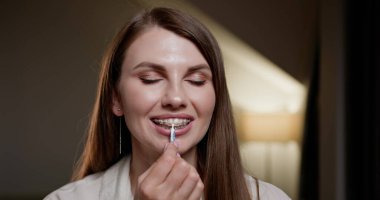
[[142, 177], [158, 172], [176, 177], [197, 191], [188, 184]]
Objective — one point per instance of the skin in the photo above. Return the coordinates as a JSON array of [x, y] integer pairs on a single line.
[[164, 74]]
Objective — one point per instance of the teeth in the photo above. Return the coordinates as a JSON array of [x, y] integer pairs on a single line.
[[170, 121]]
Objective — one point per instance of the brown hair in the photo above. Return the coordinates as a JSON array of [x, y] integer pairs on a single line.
[[219, 162]]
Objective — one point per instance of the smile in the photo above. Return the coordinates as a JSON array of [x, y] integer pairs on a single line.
[[178, 123]]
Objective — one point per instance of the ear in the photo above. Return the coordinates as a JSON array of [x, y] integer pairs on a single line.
[[116, 105]]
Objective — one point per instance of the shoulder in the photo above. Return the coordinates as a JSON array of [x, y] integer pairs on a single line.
[[87, 188], [266, 190], [95, 186]]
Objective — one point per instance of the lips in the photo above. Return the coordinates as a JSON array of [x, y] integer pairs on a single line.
[[182, 123]]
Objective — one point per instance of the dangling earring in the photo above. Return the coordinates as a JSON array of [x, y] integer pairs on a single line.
[[120, 135]]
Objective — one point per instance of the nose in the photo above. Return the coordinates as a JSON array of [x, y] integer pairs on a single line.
[[174, 98]]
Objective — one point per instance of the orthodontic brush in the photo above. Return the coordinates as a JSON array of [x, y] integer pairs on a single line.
[[172, 134]]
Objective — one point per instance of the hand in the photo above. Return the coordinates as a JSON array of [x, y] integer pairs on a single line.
[[170, 177]]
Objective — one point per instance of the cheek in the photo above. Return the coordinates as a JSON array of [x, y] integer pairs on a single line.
[[138, 100], [204, 101]]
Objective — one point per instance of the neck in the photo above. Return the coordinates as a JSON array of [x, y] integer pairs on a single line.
[[143, 158]]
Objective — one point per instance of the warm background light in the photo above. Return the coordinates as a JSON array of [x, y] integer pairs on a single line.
[[270, 126]]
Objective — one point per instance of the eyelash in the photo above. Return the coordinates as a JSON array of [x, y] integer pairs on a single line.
[[197, 83], [149, 81], [152, 81]]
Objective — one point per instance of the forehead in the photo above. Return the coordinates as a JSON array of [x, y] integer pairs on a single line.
[[164, 47]]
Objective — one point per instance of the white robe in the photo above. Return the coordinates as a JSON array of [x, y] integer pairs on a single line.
[[114, 184]]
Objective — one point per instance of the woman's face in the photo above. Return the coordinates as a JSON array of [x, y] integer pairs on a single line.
[[165, 80]]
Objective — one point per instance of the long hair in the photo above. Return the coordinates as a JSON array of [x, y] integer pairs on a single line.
[[219, 162]]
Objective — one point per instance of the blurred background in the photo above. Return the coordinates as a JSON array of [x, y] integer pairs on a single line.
[[303, 78]]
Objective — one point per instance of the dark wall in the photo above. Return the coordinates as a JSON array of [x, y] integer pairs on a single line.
[[363, 99], [49, 59]]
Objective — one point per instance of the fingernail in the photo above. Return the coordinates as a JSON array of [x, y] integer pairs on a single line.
[[178, 155], [176, 144]]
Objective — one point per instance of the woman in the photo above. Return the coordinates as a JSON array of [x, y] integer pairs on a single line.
[[163, 72]]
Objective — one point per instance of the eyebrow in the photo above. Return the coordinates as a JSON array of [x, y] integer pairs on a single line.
[[162, 68], [149, 65], [199, 67]]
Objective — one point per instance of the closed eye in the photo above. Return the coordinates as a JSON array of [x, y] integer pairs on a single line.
[[197, 82], [149, 81]]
